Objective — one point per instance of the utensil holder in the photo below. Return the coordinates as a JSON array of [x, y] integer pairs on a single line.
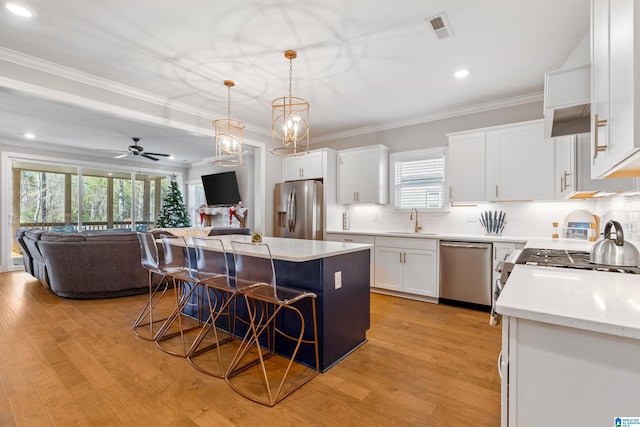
[[493, 222]]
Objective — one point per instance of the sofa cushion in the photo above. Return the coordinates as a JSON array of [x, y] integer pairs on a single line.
[[108, 237], [34, 233], [59, 236], [64, 228]]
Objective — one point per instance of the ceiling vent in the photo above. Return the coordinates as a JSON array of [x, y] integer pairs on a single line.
[[439, 26]]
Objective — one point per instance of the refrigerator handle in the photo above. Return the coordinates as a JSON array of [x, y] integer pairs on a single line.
[[292, 211]]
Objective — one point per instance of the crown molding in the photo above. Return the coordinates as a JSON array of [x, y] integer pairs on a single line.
[[456, 112], [81, 77]]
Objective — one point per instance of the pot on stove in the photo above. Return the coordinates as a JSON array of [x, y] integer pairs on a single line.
[[613, 250]]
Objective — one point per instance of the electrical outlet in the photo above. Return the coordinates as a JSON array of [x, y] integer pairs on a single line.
[[472, 218], [338, 279], [374, 217]]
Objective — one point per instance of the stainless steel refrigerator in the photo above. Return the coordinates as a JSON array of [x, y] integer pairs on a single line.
[[298, 210]]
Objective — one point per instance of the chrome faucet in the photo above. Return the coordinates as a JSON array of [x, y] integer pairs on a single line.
[[418, 227]]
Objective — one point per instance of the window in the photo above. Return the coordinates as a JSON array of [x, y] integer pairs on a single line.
[[419, 179]]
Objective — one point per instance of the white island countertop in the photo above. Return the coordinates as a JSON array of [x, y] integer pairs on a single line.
[[297, 250], [606, 302]]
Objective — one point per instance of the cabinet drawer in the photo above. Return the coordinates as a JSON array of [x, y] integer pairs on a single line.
[[407, 243], [350, 238]]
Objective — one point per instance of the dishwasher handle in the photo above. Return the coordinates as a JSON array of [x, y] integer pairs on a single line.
[[463, 245]]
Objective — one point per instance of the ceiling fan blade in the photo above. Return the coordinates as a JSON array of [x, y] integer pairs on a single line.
[[149, 157], [110, 151], [158, 154], [122, 155]]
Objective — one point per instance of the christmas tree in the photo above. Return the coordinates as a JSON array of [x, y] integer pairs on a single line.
[[173, 213]]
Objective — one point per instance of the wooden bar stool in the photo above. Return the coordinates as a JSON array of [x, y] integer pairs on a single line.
[[260, 371]]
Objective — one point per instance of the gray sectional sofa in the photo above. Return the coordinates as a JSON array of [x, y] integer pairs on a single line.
[[83, 265]]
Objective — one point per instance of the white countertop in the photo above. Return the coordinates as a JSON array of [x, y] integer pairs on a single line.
[[439, 236], [584, 299], [297, 250]]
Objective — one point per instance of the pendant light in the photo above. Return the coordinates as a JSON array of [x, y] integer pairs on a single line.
[[228, 136], [290, 120]]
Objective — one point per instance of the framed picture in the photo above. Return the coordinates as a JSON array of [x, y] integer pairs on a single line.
[[578, 230]]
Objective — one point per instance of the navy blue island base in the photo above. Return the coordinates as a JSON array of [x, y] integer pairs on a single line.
[[343, 314]]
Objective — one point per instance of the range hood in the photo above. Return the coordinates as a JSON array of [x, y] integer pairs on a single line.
[[567, 101]]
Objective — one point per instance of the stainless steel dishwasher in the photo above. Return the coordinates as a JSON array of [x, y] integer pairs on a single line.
[[465, 274]]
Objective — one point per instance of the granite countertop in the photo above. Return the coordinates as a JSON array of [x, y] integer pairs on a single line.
[[597, 301]]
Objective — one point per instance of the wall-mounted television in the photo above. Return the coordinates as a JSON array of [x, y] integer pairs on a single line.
[[221, 189]]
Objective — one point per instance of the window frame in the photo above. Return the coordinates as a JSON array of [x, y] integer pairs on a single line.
[[413, 155]]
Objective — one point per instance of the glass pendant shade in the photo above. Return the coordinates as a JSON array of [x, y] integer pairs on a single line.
[[290, 121], [228, 137]]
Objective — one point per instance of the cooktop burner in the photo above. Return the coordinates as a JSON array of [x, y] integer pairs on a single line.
[[567, 259]]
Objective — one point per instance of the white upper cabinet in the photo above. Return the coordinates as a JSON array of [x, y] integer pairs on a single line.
[[615, 139], [573, 171], [363, 175], [466, 167], [565, 174], [511, 162], [308, 166], [520, 163]]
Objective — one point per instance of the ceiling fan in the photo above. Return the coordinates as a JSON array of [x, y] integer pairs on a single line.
[[136, 150]]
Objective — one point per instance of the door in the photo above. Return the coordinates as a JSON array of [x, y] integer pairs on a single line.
[[599, 86], [521, 161], [420, 272], [388, 268], [467, 167], [368, 176], [298, 210], [347, 175]]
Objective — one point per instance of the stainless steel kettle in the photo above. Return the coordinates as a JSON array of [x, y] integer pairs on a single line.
[[614, 250]]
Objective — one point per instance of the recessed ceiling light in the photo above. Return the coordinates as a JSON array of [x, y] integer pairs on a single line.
[[461, 74], [20, 10], [171, 157], [29, 135]]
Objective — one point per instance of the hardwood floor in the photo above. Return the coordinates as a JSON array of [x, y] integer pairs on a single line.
[[77, 363]]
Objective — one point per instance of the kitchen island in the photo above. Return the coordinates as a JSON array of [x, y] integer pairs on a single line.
[[338, 273], [571, 344]]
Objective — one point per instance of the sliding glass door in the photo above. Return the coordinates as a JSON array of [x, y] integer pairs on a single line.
[[70, 198]]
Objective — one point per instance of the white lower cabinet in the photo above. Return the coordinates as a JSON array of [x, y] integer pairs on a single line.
[[560, 376], [407, 265]]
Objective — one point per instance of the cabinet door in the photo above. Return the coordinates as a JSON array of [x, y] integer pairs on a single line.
[[521, 163], [368, 176], [565, 166], [347, 173], [467, 167], [599, 85], [388, 268], [312, 165], [308, 166], [293, 167], [622, 80], [420, 272]]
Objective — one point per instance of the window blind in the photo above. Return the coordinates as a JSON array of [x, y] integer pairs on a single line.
[[420, 183]]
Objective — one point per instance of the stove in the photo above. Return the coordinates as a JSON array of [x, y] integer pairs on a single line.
[[567, 259]]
